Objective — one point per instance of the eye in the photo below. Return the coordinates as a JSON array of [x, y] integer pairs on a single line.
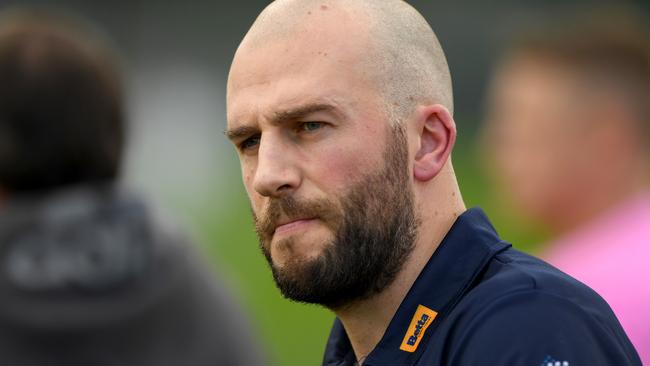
[[250, 143], [311, 126]]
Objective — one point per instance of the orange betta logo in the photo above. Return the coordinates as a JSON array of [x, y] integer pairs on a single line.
[[419, 324]]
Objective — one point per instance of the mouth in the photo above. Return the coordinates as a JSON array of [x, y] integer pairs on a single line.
[[288, 227]]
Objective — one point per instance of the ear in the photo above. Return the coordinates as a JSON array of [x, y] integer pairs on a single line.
[[437, 136]]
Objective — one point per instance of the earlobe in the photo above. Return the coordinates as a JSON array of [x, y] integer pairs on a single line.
[[437, 138]]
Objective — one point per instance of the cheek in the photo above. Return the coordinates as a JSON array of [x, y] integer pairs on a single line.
[[524, 173], [351, 156], [540, 179], [337, 168], [247, 178]]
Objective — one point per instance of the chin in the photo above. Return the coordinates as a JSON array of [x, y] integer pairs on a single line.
[[299, 248], [289, 254]]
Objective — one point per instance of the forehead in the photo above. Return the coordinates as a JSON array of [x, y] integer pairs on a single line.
[[323, 60], [534, 85], [531, 78], [536, 98]]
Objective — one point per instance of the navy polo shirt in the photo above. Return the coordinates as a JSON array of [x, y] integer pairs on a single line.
[[480, 302]]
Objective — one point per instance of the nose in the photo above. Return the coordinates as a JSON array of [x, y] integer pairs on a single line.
[[276, 174]]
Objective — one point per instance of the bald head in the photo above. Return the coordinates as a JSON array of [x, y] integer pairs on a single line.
[[398, 51]]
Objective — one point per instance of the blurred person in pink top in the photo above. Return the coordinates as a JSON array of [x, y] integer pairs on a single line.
[[568, 131]]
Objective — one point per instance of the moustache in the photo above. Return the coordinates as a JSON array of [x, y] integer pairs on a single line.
[[289, 208]]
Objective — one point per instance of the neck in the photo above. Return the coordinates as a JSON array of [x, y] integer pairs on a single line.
[[597, 201], [366, 321]]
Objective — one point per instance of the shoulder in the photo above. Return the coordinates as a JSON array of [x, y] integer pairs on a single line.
[[190, 302], [524, 311]]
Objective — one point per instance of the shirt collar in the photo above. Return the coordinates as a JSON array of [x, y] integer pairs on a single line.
[[466, 249]]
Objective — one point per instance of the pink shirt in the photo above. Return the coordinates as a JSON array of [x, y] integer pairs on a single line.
[[612, 255]]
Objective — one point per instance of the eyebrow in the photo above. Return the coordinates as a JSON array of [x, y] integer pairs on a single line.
[[300, 112], [240, 132], [282, 116]]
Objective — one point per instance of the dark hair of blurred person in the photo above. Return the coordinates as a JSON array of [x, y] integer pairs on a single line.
[[61, 114], [569, 130], [90, 274]]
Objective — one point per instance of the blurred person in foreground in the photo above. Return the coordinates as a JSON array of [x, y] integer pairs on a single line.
[[341, 113], [89, 274], [569, 130]]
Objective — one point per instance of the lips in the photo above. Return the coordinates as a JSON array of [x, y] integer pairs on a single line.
[[288, 215], [291, 225]]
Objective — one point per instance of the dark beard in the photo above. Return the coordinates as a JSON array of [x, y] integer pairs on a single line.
[[375, 230]]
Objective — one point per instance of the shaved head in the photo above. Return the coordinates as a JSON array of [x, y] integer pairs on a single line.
[[401, 54]]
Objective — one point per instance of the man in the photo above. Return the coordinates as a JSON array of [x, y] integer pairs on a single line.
[[341, 112], [90, 275], [568, 130]]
